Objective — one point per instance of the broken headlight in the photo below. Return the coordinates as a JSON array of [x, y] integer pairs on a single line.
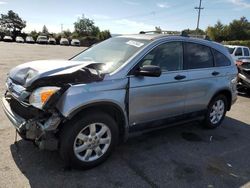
[[40, 96]]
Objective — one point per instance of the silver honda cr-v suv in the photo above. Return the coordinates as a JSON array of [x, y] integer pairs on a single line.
[[85, 105]]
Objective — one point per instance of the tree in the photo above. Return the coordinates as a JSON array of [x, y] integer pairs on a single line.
[[85, 27], [66, 33], [34, 34], [194, 32], [236, 30], [103, 35], [219, 32], [45, 30], [158, 30], [239, 29], [12, 22]]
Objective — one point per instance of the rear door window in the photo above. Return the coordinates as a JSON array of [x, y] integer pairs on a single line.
[[238, 52], [197, 56], [220, 59], [246, 52]]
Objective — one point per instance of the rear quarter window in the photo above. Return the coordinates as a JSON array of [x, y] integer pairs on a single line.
[[220, 59]]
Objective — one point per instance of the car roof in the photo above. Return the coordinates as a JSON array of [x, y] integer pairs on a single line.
[[235, 46], [157, 36], [154, 37]]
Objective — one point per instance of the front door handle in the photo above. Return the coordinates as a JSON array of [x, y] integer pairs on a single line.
[[215, 73], [180, 77]]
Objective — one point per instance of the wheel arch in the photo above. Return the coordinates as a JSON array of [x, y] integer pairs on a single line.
[[227, 93], [110, 108]]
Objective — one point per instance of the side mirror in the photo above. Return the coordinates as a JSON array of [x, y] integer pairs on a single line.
[[150, 71]]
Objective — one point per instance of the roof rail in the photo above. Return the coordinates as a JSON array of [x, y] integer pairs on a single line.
[[161, 32], [176, 33]]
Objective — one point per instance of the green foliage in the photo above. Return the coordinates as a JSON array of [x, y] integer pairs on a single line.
[[12, 22], [103, 35], [238, 42], [34, 34], [45, 31], [194, 32], [85, 27], [89, 40], [158, 30], [236, 30], [239, 29], [88, 33], [66, 34], [74, 35]]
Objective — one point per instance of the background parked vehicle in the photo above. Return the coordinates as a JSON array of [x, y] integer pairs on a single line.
[[52, 40], [42, 39], [243, 75], [29, 39], [19, 39], [64, 41], [75, 42], [7, 38], [238, 52]]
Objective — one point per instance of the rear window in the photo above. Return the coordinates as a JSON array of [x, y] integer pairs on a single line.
[[246, 52], [220, 59], [197, 56]]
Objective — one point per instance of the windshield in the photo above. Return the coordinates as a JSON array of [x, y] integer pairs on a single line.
[[231, 50], [113, 52]]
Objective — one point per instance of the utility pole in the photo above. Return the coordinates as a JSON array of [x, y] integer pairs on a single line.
[[199, 14]]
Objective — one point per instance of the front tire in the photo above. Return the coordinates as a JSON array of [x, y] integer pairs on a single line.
[[216, 112], [87, 141]]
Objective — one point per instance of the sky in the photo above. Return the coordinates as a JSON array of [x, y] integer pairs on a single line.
[[125, 16]]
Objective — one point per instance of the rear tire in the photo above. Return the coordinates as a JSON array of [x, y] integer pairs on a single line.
[[216, 112], [87, 140]]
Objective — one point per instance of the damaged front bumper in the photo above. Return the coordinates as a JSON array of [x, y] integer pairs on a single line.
[[15, 119], [38, 129]]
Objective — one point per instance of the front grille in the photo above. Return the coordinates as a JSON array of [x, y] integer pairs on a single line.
[[26, 112]]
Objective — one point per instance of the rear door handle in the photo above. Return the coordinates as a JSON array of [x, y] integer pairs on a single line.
[[180, 77], [215, 73]]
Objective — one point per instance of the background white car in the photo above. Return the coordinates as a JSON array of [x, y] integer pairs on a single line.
[[52, 40], [7, 38], [64, 41], [42, 39], [19, 39], [238, 52], [29, 39], [75, 42]]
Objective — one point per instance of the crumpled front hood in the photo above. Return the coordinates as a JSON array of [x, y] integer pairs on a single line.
[[25, 74]]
